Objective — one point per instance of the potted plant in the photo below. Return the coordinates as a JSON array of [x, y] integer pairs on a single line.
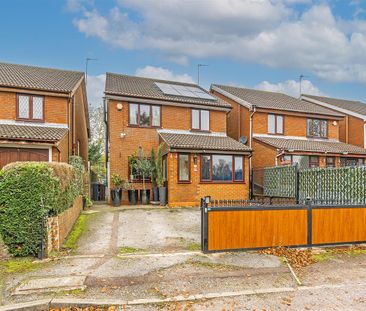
[[132, 193], [132, 163], [159, 176], [153, 176], [143, 167], [116, 192]]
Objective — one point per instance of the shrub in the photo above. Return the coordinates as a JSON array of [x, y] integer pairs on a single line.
[[29, 193]]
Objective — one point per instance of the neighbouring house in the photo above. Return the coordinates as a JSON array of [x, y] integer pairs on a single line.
[[199, 158], [43, 114], [352, 129], [285, 130]]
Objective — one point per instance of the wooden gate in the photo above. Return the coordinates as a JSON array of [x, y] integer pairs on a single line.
[[227, 228]]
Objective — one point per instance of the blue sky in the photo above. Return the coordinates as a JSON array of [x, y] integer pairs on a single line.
[[263, 44]]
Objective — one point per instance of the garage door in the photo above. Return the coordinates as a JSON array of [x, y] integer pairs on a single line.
[[8, 155]]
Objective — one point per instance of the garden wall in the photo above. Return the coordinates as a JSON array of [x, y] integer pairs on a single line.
[[58, 227]]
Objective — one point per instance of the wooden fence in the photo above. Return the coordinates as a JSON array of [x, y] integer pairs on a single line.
[[261, 226]]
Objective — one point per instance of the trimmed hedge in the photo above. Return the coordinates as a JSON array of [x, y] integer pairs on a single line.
[[29, 193]]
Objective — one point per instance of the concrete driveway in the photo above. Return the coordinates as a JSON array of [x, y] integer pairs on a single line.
[[149, 230]]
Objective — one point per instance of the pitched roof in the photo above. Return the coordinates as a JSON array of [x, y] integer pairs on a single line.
[[32, 132], [197, 141], [311, 145], [272, 100], [131, 86], [351, 105], [38, 78]]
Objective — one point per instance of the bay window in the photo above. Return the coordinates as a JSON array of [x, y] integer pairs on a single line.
[[142, 115], [222, 168], [200, 120], [30, 108]]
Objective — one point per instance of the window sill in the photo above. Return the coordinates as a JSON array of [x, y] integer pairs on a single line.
[[144, 127], [222, 182], [199, 131], [184, 182], [30, 120]]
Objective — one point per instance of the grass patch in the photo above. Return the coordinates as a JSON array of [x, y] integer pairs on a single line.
[[194, 246], [18, 265], [77, 230], [130, 250], [212, 265], [321, 257]]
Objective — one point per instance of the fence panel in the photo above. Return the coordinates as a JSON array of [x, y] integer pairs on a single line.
[[344, 185], [277, 181], [338, 225], [257, 227]]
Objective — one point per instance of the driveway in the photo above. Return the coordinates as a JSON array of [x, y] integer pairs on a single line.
[[137, 254]]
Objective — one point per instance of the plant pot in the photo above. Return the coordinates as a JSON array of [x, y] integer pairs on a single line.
[[162, 195], [116, 195], [155, 194], [145, 196], [132, 197]]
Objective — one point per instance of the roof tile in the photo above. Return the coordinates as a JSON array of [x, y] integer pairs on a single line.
[[311, 145], [276, 101], [32, 132], [202, 142], [124, 85], [38, 78]]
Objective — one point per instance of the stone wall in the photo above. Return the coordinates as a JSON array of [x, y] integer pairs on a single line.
[[58, 227]]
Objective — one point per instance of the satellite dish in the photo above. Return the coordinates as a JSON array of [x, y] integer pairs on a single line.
[[243, 140]]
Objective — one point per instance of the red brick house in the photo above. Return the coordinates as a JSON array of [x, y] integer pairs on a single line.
[[199, 158], [352, 129], [43, 114], [282, 129]]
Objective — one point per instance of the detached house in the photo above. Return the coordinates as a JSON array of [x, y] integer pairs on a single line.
[[352, 129], [43, 114], [284, 130], [199, 158]]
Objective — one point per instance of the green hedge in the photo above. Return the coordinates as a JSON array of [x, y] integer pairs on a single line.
[[29, 193]]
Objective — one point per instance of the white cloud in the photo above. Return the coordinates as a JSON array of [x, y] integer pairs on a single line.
[[78, 5], [95, 88], [267, 32], [290, 87], [162, 73]]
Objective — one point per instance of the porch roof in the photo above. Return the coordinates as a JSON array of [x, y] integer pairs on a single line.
[[32, 132], [311, 145], [202, 141]]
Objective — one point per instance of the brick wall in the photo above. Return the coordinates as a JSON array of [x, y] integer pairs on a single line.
[[183, 194], [58, 227], [293, 125], [81, 131], [263, 155], [121, 148]]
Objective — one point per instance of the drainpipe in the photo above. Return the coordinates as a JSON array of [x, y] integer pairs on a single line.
[[252, 112], [105, 110]]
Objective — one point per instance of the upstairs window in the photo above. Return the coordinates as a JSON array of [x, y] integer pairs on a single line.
[[275, 124], [142, 115], [30, 108], [200, 120], [317, 128]]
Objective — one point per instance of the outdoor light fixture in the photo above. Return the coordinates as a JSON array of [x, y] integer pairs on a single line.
[[195, 159], [122, 135], [119, 107], [335, 123]]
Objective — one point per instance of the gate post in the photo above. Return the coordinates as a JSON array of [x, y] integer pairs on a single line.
[[204, 226], [310, 222]]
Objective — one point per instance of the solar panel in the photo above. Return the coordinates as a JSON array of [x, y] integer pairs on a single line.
[[182, 90]]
